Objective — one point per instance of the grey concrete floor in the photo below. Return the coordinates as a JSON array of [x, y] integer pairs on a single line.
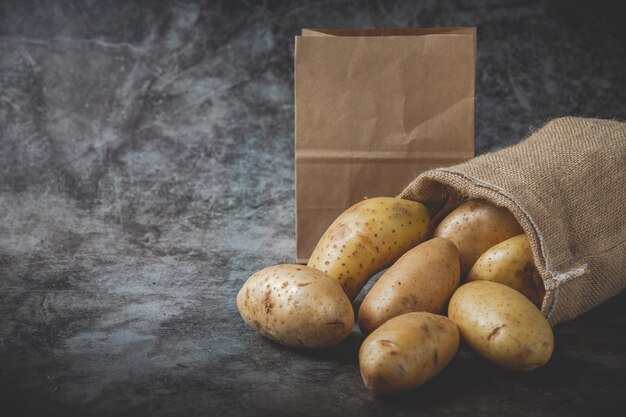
[[146, 170]]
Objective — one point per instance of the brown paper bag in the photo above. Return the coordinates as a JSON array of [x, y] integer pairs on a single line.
[[374, 108], [566, 186]]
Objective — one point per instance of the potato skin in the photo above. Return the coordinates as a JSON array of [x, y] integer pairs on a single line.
[[296, 306], [407, 351], [368, 237], [423, 279], [502, 325], [511, 263], [474, 227]]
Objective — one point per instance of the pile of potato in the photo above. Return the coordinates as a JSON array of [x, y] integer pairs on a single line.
[[409, 338]]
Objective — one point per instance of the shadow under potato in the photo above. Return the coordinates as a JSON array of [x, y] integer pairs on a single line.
[[467, 375], [345, 352]]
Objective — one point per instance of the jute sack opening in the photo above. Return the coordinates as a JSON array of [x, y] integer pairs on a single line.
[[566, 185]]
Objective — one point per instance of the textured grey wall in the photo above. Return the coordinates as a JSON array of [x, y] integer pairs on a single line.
[[146, 163]]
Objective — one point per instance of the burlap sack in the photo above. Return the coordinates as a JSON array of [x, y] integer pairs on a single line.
[[566, 185]]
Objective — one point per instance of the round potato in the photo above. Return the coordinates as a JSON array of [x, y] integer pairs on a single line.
[[368, 237], [502, 325], [423, 279], [407, 351], [296, 306], [474, 227], [511, 263]]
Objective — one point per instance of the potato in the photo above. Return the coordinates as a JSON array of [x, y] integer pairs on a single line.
[[423, 279], [296, 306], [407, 351], [474, 227], [511, 263], [368, 237], [502, 325]]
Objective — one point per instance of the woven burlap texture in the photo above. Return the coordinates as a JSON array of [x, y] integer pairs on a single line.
[[566, 185]]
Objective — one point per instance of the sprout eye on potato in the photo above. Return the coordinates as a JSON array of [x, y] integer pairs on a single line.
[[474, 227], [368, 237], [296, 306], [502, 325], [511, 263], [423, 279], [407, 351]]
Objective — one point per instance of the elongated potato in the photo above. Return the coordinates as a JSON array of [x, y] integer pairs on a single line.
[[368, 237], [511, 263], [502, 325], [423, 279], [296, 306], [407, 351], [474, 227]]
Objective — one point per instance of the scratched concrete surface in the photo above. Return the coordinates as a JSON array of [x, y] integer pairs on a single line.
[[146, 169]]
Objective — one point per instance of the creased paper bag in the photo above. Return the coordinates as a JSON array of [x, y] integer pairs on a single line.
[[373, 109]]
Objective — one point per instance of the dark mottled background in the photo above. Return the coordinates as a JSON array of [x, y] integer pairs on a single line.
[[146, 169]]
